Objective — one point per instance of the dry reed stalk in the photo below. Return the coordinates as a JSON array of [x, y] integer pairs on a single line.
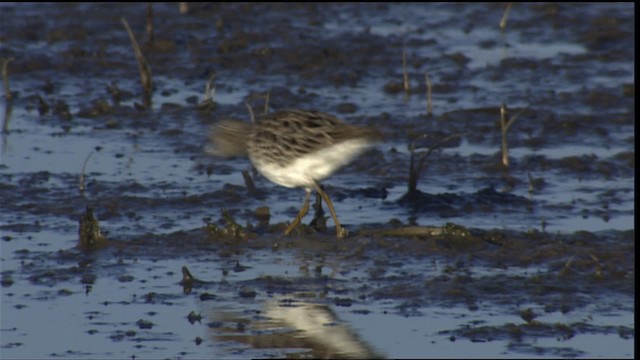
[[82, 172], [427, 80], [405, 74], [183, 7], [5, 79], [503, 21], [150, 24], [253, 118], [504, 127], [414, 171], [143, 66], [266, 101]]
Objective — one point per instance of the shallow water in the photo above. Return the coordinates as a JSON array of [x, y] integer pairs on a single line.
[[536, 260]]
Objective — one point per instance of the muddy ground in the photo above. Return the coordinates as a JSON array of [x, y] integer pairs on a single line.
[[476, 258]]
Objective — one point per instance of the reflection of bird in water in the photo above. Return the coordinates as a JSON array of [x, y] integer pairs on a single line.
[[292, 324], [295, 148]]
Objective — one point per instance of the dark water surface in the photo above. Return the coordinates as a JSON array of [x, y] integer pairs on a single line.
[[536, 259]]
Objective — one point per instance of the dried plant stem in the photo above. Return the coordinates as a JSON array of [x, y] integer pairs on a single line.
[[5, 79], [504, 127], [7, 96], [150, 24], [503, 21], [252, 97], [253, 118], [567, 266], [210, 90], [427, 80], [183, 7], [414, 171], [598, 266], [84, 166], [266, 101], [405, 74], [8, 110], [143, 67]]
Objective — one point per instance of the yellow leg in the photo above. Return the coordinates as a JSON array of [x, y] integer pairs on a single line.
[[340, 231], [303, 211]]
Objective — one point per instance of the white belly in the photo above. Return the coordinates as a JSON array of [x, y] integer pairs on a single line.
[[314, 166]]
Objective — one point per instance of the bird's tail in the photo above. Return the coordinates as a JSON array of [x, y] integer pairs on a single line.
[[228, 138]]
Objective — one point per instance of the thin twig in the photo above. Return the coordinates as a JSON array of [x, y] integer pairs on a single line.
[[598, 268], [427, 80], [436, 147], [7, 96], [266, 102], [210, 90], [413, 175], [84, 166], [253, 118], [143, 67], [503, 21], [514, 117], [566, 267], [504, 127], [5, 79], [183, 7], [405, 74], [414, 171], [8, 110], [252, 97], [150, 24]]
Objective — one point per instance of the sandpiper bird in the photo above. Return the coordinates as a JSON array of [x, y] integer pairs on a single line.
[[294, 148]]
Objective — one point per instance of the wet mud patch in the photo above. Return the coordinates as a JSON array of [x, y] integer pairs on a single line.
[[531, 278], [534, 258]]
